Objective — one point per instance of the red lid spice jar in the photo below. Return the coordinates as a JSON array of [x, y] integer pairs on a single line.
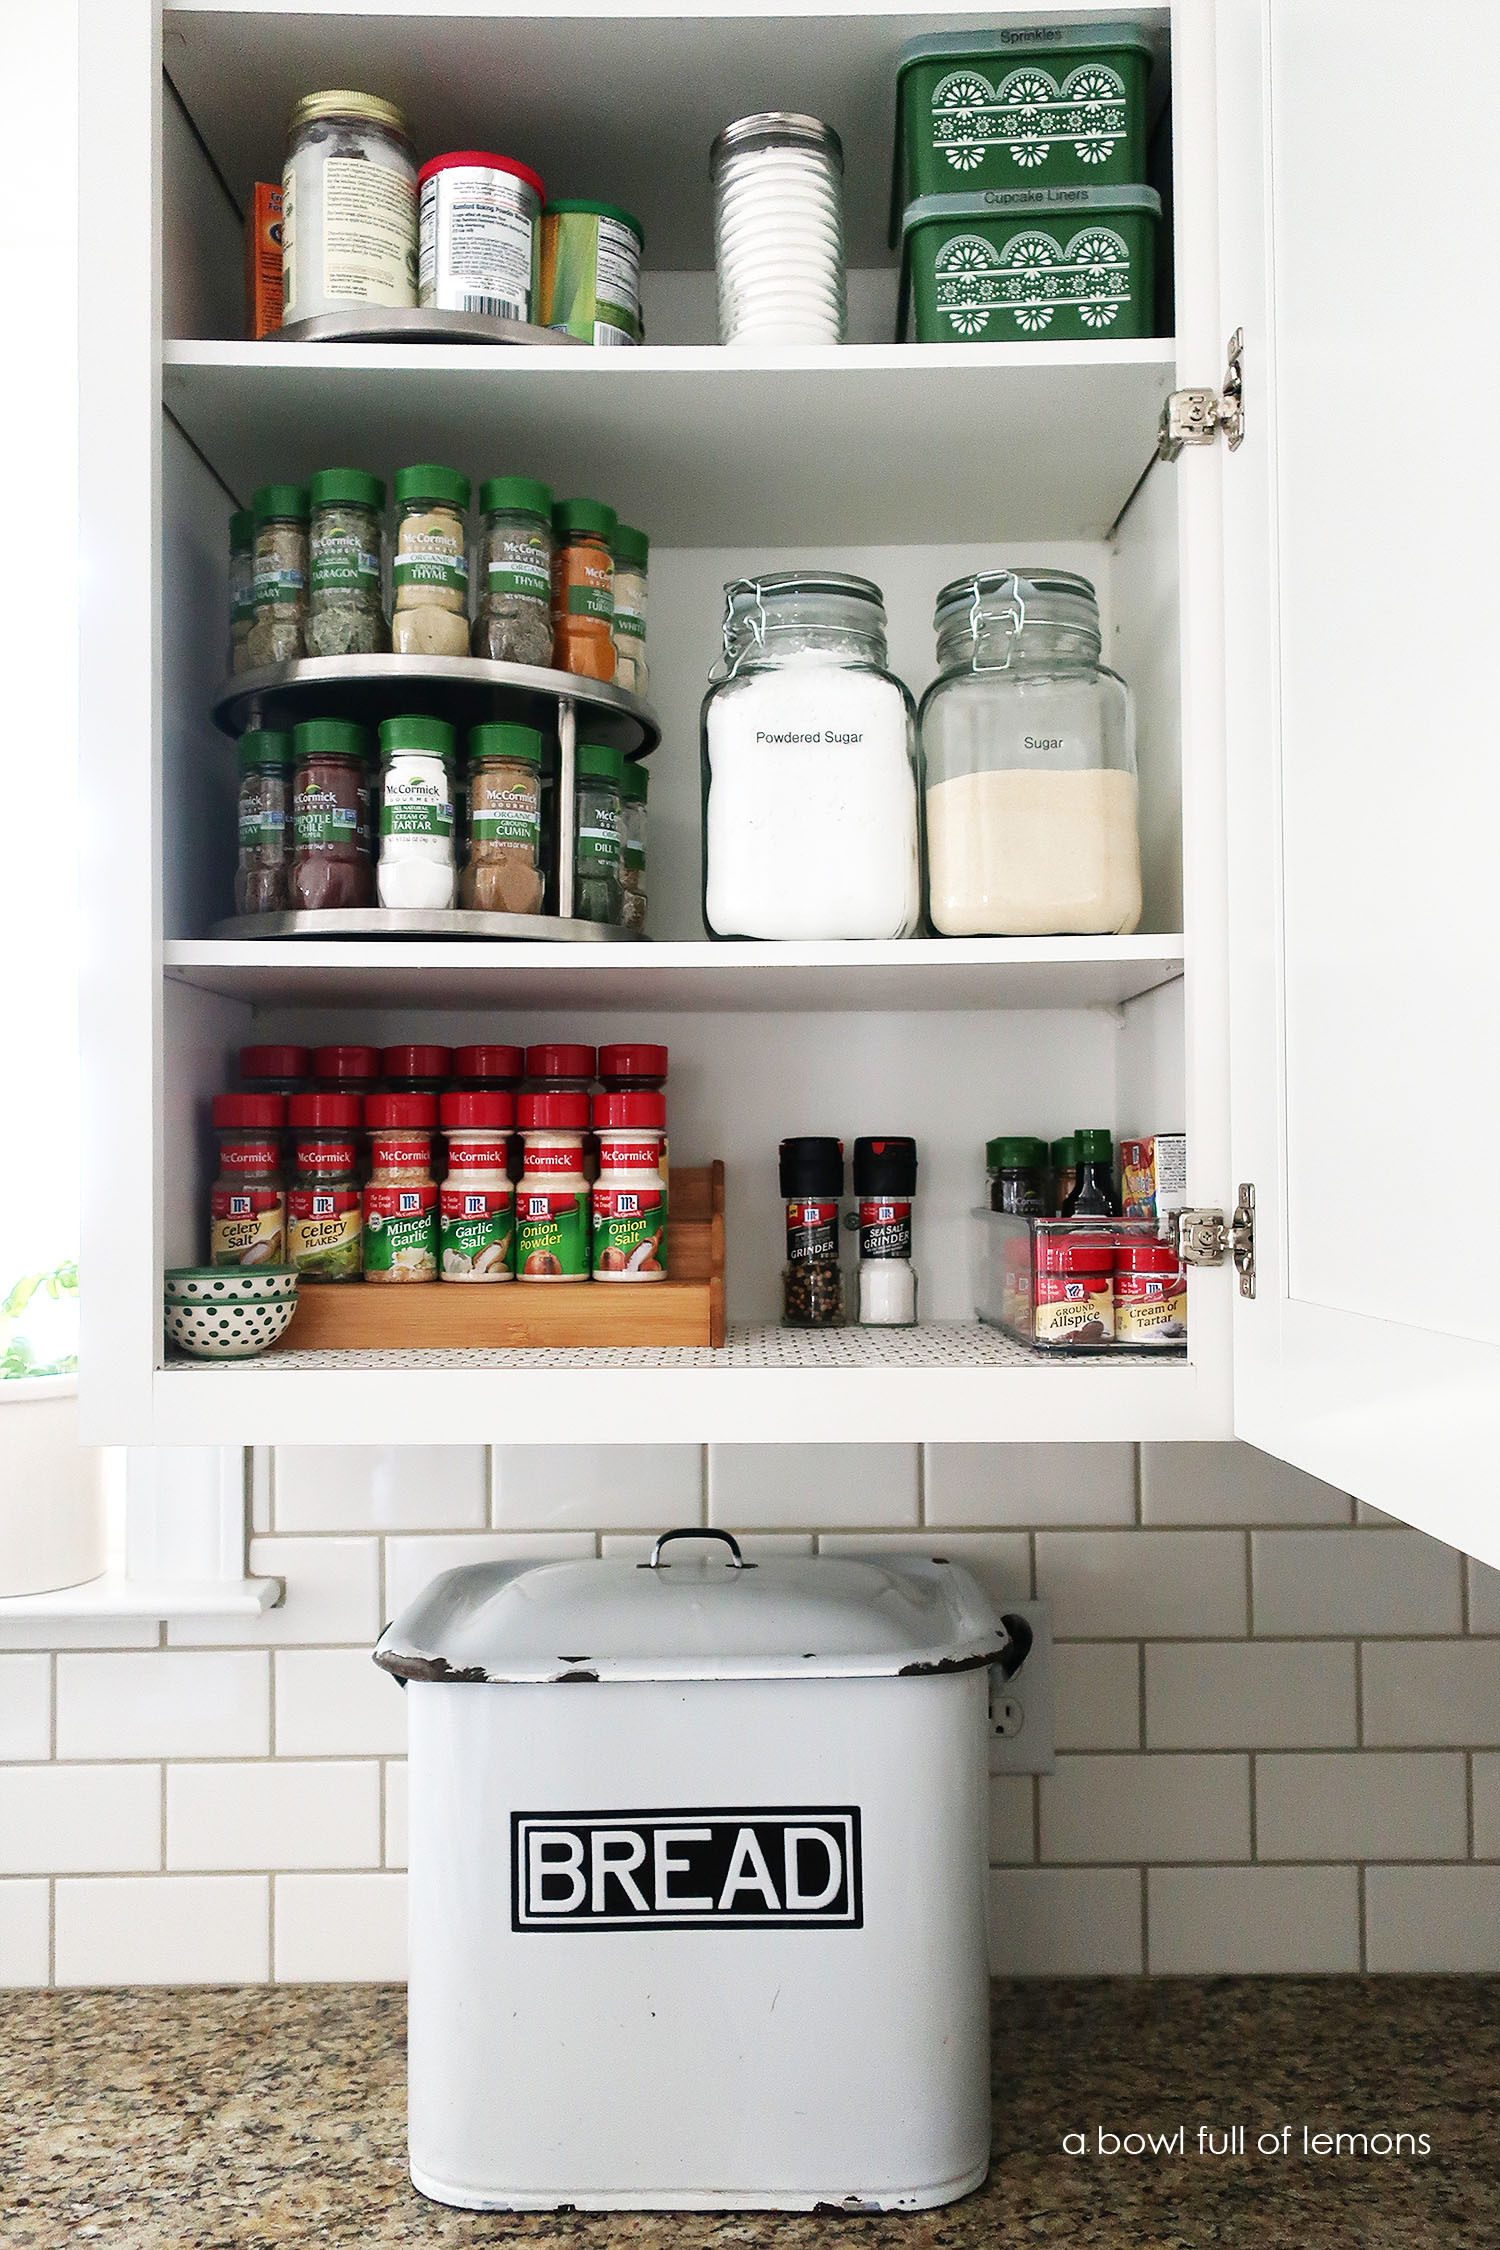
[[632, 1066], [552, 1196], [488, 1070], [630, 1194], [1150, 1295], [1075, 1296], [325, 1225], [416, 1069], [346, 1070], [401, 1197], [560, 1066], [274, 1070], [247, 1202], [476, 1206]]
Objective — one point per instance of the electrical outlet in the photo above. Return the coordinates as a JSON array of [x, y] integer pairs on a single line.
[[1021, 1717]]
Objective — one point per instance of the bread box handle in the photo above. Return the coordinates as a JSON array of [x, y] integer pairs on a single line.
[[736, 1559]]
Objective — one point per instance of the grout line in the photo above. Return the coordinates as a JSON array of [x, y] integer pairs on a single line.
[[1145, 1876], [52, 1706], [1140, 1689], [1465, 1575], [1364, 1934], [1469, 1798], [162, 1855], [1359, 1695], [381, 1846], [271, 1881], [1140, 1486], [1249, 1585], [1254, 1765], [51, 1930]]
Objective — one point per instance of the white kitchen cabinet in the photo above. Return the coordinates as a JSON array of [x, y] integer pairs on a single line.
[[1302, 619]]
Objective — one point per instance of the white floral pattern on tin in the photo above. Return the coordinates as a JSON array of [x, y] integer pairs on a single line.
[[1030, 276], [1029, 114]]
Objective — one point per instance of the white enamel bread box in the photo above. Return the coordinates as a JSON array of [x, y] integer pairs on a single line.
[[697, 1874]]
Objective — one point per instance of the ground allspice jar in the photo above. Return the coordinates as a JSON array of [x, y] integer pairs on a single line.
[[401, 1197], [247, 1202], [552, 1195], [329, 864], [513, 609], [502, 874], [477, 1204], [812, 1184], [583, 601], [265, 763], [325, 1225]]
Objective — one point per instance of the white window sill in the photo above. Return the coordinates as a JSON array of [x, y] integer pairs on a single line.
[[116, 1596]]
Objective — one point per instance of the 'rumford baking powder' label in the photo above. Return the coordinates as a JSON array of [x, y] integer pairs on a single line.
[[796, 1868]]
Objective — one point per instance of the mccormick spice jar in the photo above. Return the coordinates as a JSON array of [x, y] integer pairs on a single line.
[[885, 1180], [330, 863], [502, 874], [1064, 1154], [325, 1226], [632, 1066], [265, 763], [560, 1066], [513, 612], [346, 1070], [812, 1183], [416, 1069], [430, 611], [583, 601], [1017, 1169], [344, 615], [1150, 1295], [552, 1196], [488, 1070], [630, 549], [247, 1202], [476, 1207], [278, 634], [241, 587], [597, 895], [400, 1199], [630, 1194], [1075, 1299], [416, 868], [634, 784], [274, 1070]]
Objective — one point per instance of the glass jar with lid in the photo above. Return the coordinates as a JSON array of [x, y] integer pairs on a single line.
[[345, 616], [265, 763], [348, 206], [597, 896], [634, 783], [430, 571], [241, 587], [278, 635], [513, 609], [329, 864], [1029, 744], [502, 874], [810, 777], [583, 589], [631, 550]]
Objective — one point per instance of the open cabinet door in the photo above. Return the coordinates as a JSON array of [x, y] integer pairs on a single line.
[[1360, 209]]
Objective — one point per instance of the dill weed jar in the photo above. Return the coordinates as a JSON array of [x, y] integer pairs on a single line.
[[247, 1202], [416, 869], [583, 599], [552, 1195], [325, 1225], [278, 635], [430, 609], [265, 763], [344, 613], [513, 613], [597, 895], [401, 1197], [476, 1205], [811, 1171], [329, 864], [502, 874]]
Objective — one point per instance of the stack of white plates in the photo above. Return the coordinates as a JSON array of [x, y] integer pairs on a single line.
[[779, 231]]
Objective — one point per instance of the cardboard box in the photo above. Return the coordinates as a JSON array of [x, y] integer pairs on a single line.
[[263, 261], [1153, 1175]]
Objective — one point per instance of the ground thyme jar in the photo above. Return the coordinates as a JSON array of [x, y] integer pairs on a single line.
[[502, 874], [634, 782], [630, 1194], [279, 633], [401, 1197], [476, 1206], [430, 609], [1150, 1295], [597, 892], [583, 601], [344, 612], [265, 763], [328, 866], [247, 1202], [1075, 1295], [552, 1195], [513, 610], [241, 587], [348, 206], [811, 1170], [325, 1225], [416, 869], [631, 550]]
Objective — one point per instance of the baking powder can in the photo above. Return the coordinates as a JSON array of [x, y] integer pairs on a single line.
[[477, 234]]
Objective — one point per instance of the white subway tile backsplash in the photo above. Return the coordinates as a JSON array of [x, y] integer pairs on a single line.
[[332, 1594], [1445, 1692], [25, 1706], [1024, 1485], [1012, 1825], [1140, 1808], [999, 1560], [1250, 1695], [1484, 1597], [1230, 1483], [381, 1488], [1364, 1513], [597, 1487], [1096, 1695], [1486, 1806], [74, 1819], [395, 1812], [78, 1632], [282, 1813], [168, 1704], [1361, 1804], [412, 1564], [1065, 1922], [1433, 1919], [164, 1929], [340, 1929], [1253, 1921], [23, 1933], [1123, 1585], [1359, 1582], [334, 1703], [769, 1487]]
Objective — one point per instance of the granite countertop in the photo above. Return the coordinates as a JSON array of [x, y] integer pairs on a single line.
[[273, 2119]]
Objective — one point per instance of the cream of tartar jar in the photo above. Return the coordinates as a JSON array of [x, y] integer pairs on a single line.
[[552, 1195], [348, 206], [630, 1193]]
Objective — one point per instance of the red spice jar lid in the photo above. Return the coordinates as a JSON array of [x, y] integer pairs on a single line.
[[635, 1058], [644, 1112], [1075, 1253], [416, 1062], [413, 1112], [258, 1112], [482, 160], [358, 1065], [306, 1112], [489, 1062], [560, 1059], [274, 1062], [1146, 1257], [491, 1113], [554, 1113]]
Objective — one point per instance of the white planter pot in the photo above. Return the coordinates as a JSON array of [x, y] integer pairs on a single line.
[[52, 1522]]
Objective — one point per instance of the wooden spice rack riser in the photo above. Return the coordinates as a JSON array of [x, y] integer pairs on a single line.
[[686, 1309]]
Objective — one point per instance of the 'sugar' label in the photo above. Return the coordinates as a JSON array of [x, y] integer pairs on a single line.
[[794, 1867]]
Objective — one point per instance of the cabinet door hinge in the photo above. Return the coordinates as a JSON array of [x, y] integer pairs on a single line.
[[1207, 1238], [1198, 417]]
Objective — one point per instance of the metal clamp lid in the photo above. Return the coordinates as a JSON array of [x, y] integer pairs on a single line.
[[736, 1559]]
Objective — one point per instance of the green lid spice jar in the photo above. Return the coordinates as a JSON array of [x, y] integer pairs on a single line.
[[416, 869], [329, 864], [630, 549], [1017, 1170], [325, 1223], [345, 617], [241, 587], [513, 611], [502, 874], [597, 893], [265, 763], [634, 783], [1092, 1195], [400, 1199], [552, 1195], [583, 600], [247, 1202], [430, 613], [279, 632], [477, 1205]]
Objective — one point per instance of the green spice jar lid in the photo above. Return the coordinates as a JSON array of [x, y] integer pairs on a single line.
[[260, 748], [520, 494], [596, 761], [241, 528], [634, 781], [427, 480], [1014, 1152], [596, 211], [433, 738], [630, 545], [502, 739], [329, 738], [354, 487], [1094, 1147], [584, 515], [275, 502], [1064, 1154]]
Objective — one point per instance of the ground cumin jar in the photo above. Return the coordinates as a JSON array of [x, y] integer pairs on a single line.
[[401, 1197], [583, 600], [325, 1225], [630, 1194], [476, 1206], [1075, 1296], [247, 1202], [502, 874], [552, 1195], [1150, 1295], [329, 867]]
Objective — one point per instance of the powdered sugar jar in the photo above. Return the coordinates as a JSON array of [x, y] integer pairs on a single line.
[[810, 792]]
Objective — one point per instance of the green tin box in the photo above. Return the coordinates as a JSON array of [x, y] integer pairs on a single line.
[[1062, 266], [1044, 105]]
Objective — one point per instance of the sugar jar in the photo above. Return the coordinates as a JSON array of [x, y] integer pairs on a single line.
[[1029, 745]]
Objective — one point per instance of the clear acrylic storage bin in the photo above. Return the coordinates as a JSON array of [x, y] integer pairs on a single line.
[[1076, 1287]]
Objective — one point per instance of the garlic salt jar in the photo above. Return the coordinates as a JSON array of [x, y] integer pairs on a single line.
[[809, 767], [1029, 747]]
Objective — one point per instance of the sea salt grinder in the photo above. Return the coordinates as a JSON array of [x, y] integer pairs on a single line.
[[885, 1180]]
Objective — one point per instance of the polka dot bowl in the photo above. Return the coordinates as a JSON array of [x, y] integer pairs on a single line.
[[214, 1285], [229, 1328]]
